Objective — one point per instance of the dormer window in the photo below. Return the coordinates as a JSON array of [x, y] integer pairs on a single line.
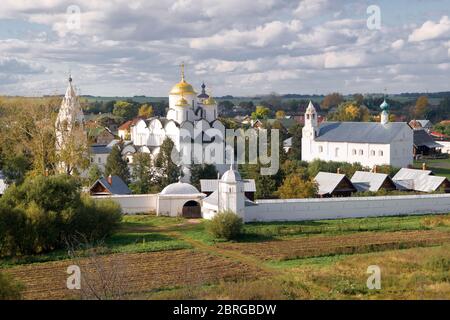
[[307, 116]]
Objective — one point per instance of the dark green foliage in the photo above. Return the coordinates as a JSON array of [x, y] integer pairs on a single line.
[[142, 177], [94, 174], [225, 225], [169, 171], [9, 288], [116, 165], [14, 168], [346, 168], [202, 171], [44, 212], [296, 150]]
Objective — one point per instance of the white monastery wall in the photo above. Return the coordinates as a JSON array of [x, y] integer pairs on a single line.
[[132, 204], [357, 207]]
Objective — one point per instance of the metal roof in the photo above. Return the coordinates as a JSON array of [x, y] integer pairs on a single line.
[[327, 182], [411, 174], [368, 181], [100, 149], [422, 138], [117, 186], [360, 132], [418, 180], [210, 185]]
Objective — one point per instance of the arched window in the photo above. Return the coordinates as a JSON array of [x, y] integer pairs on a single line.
[[320, 149], [354, 152], [380, 153], [372, 153], [336, 152], [361, 152]]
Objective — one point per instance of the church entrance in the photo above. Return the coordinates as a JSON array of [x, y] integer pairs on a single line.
[[192, 210]]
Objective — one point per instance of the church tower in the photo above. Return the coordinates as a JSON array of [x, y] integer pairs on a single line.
[[309, 132], [385, 112], [71, 139], [182, 101], [231, 193], [210, 109], [70, 116]]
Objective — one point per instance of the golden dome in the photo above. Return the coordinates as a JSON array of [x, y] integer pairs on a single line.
[[182, 88], [210, 101], [182, 102]]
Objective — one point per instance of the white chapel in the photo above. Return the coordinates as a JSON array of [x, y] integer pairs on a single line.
[[369, 143]]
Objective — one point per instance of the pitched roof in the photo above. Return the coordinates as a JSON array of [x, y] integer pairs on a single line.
[[328, 182], [210, 185], [369, 181], [117, 186], [423, 139], [408, 174], [418, 180], [360, 132], [100, 149]]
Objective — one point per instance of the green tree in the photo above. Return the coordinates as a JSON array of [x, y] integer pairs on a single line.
[[94, 174], [280, 114], [332, 100], [125, 110], [169, 172], [296, 149], [9, 288], [116, 165], [421, 107], [225, 225], [141, 174], [261, 113], [202, 171], [15, 168], [294, 187], [146, 111]]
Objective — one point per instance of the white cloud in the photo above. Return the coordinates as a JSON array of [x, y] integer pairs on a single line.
[[431, 30], [398, 44], [309, 8]]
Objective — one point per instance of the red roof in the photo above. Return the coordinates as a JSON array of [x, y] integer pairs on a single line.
[[438, 134]]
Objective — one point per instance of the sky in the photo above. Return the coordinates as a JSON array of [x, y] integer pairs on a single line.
[[237, 47]]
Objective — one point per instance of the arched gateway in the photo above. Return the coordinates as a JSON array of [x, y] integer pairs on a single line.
[[192, 210]]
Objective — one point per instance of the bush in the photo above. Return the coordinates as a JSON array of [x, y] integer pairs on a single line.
[[10, 289], [44, 213], [225, 225]]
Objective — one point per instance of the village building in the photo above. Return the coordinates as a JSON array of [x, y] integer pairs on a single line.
[[420, 180], [425, 145], [372, 181], [100, 135], [112, 185], [424, 124], [368, 143], [334, 185]]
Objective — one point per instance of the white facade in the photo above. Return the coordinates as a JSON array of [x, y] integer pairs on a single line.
[[395, 149], [187, 111]]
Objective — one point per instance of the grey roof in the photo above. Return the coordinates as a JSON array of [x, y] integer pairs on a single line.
[[3, 184], [117, 186], [418, 180], [422, 138], [210, 185], [425, 123], [360, 132], [408, 174], [287, 143], [327, 182], [368, 181], [100, 149]]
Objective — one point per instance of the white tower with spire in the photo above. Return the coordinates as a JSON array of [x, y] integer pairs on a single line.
[[309, 132], [231, 193], [70, 116], [385, 112]]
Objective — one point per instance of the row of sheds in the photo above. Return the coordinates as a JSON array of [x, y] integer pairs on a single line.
[[335, 184]]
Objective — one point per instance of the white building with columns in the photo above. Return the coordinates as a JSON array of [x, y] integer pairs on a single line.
[[369, 143]]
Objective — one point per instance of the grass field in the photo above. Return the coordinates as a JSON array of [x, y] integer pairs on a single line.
[[173, 258]]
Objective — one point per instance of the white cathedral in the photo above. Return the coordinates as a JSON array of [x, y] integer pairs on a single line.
[[187, 111], [369, 143]]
